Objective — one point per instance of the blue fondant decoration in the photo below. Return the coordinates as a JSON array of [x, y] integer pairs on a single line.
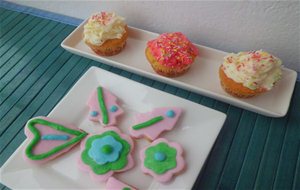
[[159, 156], [113, 108], [55, 137], [98, 155], [94, 113], [170, 113]]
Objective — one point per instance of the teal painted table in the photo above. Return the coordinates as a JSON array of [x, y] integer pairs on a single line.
[[251, 152]]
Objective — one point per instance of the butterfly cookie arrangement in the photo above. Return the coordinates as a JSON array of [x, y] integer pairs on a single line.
[[109, 151]]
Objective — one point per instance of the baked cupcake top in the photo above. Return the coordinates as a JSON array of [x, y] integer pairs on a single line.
[[173, 49], [254, 69], [104, 26]]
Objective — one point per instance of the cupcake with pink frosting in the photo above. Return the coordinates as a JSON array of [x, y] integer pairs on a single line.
[[171, 54]]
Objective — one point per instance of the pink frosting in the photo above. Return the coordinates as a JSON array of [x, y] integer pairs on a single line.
[[152, 132], [86, 168], [173, 49], [114, 184], [167, 176], [110, 100], [45, 145]]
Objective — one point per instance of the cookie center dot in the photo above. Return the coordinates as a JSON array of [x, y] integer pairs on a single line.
[[159, 156], [170, 113], [107, 149]]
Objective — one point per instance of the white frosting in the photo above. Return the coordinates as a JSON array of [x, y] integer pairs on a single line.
[[256, 69], [103, 26]]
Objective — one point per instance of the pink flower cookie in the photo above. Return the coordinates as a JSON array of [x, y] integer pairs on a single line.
[[114, 184], [153, 123], [162, 159], [105, 153], [49, 139], [103, 107]]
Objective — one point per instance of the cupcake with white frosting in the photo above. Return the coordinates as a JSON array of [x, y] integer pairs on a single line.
[[247, 74], [105, 33]]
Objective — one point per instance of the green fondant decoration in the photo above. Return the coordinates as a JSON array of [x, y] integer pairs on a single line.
[[102, 105], [116, 165], [148, 123], [126, 188], [37, 137], [160, 167], [107, 149]]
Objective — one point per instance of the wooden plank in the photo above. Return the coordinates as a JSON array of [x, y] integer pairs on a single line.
[[9, 17], [291, 146], [126, 74], [9, 23], [182, 93], [56, 95], [33, 109], [30, 94], [296, 178], [254, 153], [5, 13], [15, 78], [170, 89], [159, 85], [269, 161], [212, 170], [194, 97], [17, 34], [11, 58], [237, 151], [147, 81]]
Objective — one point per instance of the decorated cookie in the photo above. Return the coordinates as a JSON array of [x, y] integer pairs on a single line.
[[162, 159], [105, 153], [49, 138], [114, 184], [153, 123], [103, 107]]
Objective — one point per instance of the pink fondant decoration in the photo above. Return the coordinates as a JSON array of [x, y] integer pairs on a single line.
[[153, 131], [114, 184], [86, 168], [109, 100], [167, 176], [46, 145]]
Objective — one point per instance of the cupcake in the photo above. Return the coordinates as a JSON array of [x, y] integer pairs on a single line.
[[105, 33], [247, 74], [171, 54]]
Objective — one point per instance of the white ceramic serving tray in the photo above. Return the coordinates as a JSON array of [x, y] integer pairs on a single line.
[[202, 78], [196, 131]]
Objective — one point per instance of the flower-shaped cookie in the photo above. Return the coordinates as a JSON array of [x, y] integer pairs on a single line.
[[162, 159], [105, 153]]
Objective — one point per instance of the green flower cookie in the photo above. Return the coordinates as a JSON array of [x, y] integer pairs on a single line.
[[106, 153], [160, 158]]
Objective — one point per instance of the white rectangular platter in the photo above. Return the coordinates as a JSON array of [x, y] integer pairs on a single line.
[[202, 78], [196, 131]]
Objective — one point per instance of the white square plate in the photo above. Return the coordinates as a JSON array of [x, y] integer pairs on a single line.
[[202, 78], [196, 131]]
